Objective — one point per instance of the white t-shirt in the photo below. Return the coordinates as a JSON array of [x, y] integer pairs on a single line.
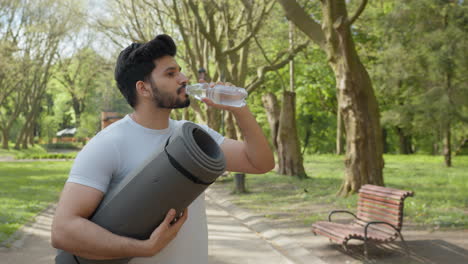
[[117, 150]]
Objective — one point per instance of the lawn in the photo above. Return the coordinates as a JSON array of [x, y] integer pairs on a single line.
[[441, 194], [26, 188], [45, 151], [35, 150], [441, 200]]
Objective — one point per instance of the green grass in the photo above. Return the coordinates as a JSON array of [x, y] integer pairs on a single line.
[[70, 155], [41, 151], [35, 150], [26, 188], [441, 194]]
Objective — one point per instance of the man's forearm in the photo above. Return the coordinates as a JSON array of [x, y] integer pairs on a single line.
[[257, 148], [86, 239]]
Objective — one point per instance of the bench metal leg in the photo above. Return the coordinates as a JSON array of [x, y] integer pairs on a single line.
[[404, 244], [366, 255]]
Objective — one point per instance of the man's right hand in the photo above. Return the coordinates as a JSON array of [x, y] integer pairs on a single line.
[[165, 232]]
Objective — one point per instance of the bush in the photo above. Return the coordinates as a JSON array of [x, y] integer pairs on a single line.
[[63, 145], [47, 156]]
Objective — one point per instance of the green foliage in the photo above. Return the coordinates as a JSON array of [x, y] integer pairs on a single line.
[[416, 53], [27, 188], [62, 145], [440, 199], [30, 40], [315, 100], [409, 48], [316, 103]]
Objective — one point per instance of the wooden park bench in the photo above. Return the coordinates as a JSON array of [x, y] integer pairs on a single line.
[[379, 218]]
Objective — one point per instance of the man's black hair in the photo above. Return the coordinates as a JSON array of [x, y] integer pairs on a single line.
[[136, 62]]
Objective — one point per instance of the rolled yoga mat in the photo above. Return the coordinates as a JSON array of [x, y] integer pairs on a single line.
[[173, 177]]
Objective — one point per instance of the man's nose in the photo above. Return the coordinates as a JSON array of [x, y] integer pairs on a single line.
[[183, 79]]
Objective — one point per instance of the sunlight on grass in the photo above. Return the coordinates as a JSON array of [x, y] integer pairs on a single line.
[[27, 188], [34, 150], [441, 199]]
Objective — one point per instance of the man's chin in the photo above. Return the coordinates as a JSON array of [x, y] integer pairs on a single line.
[[182, 104]]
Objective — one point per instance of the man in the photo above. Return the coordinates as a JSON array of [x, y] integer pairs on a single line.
[[152, 83]]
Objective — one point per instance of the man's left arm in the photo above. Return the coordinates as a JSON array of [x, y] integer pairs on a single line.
[[253, 155]]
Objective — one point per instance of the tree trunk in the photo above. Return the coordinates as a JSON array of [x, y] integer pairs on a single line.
[[5, 136], [270, 102], [289, 152], [239, 180], [199, 114], [436, 142], [19, 139], [358, 104], [339, 132], [186, 114], [435, 149], [231, 132], [385, 141], [405, 142], [213, 117], [176, 114], [447, 146], [31, 137], [77, 108], [230, 126]]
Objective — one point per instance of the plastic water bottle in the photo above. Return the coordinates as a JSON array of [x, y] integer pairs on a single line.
[[220, 94]]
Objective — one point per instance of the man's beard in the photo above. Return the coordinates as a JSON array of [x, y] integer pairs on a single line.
[[168, 100]]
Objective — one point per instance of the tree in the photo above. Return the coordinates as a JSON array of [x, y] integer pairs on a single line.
[[289, 150], [78, 75], [33, 32], [409, 75], [215, 36], [357, 102]]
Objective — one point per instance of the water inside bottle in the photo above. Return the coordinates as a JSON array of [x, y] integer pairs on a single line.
[[220, 94], [225, 95], [197, 90]]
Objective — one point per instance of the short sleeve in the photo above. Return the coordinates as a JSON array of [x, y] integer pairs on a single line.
[[218, 138], [95, 164]]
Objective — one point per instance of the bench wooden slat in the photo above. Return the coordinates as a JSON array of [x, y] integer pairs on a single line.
[[366, 200], [388, 190], [380, 199], [323, 227], [345, 232], [380, 213], [329, 235], [369, 217], [384, 208], [382, 195]]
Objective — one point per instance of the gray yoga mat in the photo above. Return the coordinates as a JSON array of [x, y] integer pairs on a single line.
[[173, 177]]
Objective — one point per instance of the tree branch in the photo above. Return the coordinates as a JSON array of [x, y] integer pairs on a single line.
[[358, 12], [264, 69], [265, 11], [303, 21]]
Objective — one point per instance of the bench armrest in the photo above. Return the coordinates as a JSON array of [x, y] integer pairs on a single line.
[[339, 211], [378, 223]]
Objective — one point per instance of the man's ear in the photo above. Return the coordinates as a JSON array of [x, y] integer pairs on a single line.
[[142, 89]]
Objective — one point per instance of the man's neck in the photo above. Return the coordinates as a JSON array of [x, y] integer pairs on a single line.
[[151, 117]]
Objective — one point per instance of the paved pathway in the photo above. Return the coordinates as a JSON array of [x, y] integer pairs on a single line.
[[230, 241]]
